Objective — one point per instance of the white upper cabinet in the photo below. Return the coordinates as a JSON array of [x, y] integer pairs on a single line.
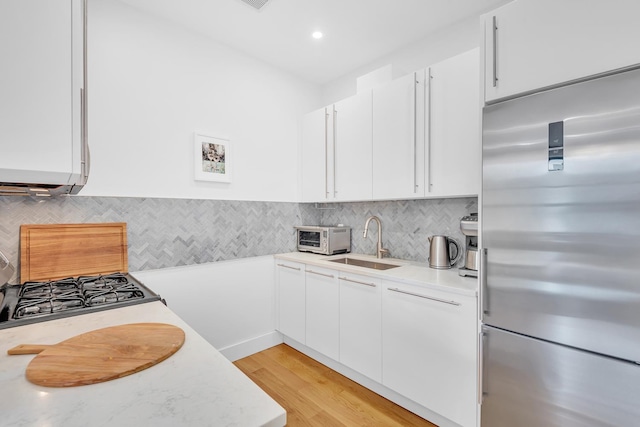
[[417, 136], [426, 132], [453, 132], [533, 44], [40, 90], [398, 138], [336, 151], [315, 156], [352, 145]]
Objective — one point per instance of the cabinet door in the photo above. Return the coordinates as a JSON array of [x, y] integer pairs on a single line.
[[429, 349], [454, 147], [291, 299], [322, 306], [360, 327], [398, 138], [315, 157], [539, 43], [352, 144], [40, 90]]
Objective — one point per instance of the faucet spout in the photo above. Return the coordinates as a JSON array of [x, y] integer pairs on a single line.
[[380, 251]]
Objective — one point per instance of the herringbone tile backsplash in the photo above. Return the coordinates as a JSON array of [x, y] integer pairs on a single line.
[[406, 224], [173, 232]]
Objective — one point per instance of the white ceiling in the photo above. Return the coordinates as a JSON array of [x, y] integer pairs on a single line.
[[356, 31]]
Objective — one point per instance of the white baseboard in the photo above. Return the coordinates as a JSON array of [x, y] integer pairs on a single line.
[[251, 346]]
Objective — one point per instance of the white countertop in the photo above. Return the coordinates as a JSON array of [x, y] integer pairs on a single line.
[[196, 386], [409, 272]]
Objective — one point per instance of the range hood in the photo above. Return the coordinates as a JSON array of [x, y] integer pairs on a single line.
[[42, 183], [43, 137], [38, 190]]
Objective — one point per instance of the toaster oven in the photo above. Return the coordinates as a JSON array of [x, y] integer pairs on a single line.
[[326, 240]]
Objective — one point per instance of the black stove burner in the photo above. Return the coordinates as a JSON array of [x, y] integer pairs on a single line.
[[108, 289], [37, 306], [33, 301], [106, 280], [48, 289]]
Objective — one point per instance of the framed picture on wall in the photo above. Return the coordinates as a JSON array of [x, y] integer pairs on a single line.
[[212, 158]]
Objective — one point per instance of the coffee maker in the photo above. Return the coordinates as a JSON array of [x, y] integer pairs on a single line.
[[469, 227]]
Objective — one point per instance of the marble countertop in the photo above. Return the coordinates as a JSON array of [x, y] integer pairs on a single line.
[[409, 272], [197, 386]]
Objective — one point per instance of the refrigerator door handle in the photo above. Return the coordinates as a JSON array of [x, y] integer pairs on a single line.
[[484, 306], [494, 31], [481, 350]]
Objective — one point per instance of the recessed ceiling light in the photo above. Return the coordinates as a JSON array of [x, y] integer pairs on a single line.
[[317, 35]]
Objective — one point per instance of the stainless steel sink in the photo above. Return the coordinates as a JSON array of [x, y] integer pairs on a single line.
[[364, 263]]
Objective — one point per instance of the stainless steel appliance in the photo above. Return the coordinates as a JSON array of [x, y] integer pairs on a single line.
[[469, 227], [440, 252], [559, 276], [34, 302], [323, 239], [6, 269]]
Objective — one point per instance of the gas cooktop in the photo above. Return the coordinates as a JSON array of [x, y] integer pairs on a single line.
[[34, 302]]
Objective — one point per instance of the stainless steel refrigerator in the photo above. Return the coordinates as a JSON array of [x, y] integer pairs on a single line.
[[560, 273]]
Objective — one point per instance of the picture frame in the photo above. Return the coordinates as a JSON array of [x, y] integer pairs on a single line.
[[212, 158]]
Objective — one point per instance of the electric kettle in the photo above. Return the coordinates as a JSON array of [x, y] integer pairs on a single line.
[[440, 256]]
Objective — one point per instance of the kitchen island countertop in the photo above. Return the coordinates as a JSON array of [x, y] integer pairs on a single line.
[[197, 386]]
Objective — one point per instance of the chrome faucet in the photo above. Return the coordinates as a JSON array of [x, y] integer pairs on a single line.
[[380, 251]]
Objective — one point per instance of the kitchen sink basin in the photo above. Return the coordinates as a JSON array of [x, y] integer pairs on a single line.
[[364, 263]]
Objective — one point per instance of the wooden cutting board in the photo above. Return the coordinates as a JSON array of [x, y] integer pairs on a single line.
[[101, 355], [57, 251]]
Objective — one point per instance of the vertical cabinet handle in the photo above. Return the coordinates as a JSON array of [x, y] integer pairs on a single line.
[[416, 86], [84, 135], [335, 143], [494, 30], [326, 154], [84, 163], [429, 78]]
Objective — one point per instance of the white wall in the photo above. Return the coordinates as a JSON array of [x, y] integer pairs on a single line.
[[231, 304], [153, 83], [463, 36]]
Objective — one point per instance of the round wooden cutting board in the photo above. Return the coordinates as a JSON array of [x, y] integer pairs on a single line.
[[101, 355]]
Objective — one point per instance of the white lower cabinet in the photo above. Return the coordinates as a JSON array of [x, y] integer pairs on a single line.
[[323, 315], [360, 325], [416, 341], [429, 349], [290, 285]]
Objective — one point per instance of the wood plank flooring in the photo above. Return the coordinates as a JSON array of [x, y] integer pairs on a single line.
[[315, 395]]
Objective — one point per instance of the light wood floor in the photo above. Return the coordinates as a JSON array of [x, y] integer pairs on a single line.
[[314, 395]]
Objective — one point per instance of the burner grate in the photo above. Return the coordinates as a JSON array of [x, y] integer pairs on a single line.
[[40, 298]]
